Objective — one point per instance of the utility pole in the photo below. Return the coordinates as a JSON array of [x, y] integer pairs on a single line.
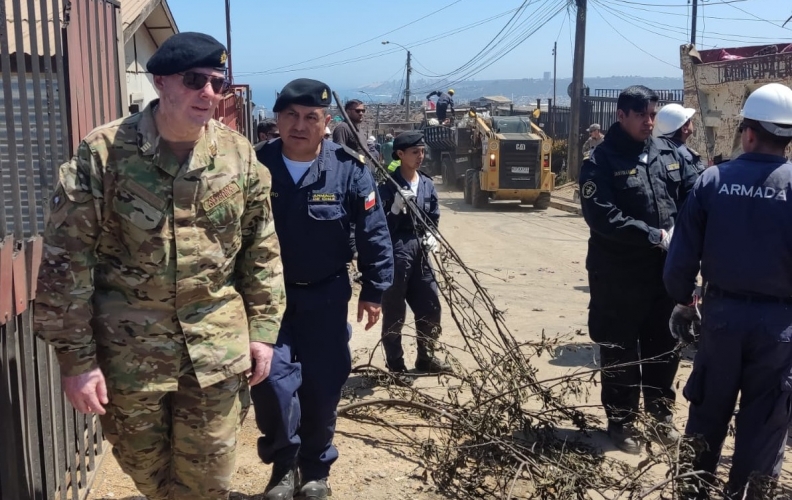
[[552, 111], [228, 38], [407, 88], [693, 27], [573, 144]]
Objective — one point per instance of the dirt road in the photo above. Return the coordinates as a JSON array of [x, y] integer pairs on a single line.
[[533, 263]]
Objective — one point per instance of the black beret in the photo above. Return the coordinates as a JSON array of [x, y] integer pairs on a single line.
[[188, 50], [305, 92], [407, 140]]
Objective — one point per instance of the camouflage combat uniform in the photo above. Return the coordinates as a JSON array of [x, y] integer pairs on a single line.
[[161, 274]]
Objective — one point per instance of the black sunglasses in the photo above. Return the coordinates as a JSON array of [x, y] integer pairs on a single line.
[[359, 110], [197, 81]]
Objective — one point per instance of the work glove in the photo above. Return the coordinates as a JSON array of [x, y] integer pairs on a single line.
[[429, 243], [400, 202], [665, 242], [685, 322]]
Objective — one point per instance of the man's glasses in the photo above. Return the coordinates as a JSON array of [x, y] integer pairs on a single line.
[[197, 81], [359, 110]]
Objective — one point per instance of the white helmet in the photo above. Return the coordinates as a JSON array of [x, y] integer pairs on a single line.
[[670, 118], [770, 105]]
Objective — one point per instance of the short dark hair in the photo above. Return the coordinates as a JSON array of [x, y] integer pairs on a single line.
[[765, 137], [352, 103], [266, 126], [636, 98]]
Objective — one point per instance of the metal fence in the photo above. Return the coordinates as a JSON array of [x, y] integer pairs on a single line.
[[61, 74], [599, 108]]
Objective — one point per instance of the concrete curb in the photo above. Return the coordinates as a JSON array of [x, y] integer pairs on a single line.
[[566, 206]]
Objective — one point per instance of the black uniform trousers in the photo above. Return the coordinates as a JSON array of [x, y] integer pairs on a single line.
[[442, 111], [745, 349], [628, 318], [414, 284]]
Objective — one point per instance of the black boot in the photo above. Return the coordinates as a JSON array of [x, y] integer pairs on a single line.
[[625, 437], [432, 365], [318, 489], [281, 483]]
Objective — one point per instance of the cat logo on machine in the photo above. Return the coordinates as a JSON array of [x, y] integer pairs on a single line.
[[520, 147]]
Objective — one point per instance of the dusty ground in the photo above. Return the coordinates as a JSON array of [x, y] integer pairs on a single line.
[[535, 262]]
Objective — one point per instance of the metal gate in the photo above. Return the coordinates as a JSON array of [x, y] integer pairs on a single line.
[[61, 76]]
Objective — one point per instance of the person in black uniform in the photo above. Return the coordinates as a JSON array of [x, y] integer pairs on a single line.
[[674, 126], [413, 281], [631, 189], [444, 101], [318, 189], [736, 227]]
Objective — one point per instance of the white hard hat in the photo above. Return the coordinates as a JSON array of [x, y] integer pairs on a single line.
[[670, 118], [770, 104], [371, 139]]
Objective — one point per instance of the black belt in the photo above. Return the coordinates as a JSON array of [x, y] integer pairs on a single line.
[[322, 281], [758, 298]]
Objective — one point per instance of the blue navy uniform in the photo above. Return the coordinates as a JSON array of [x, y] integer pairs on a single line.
[[630, 191], [414, 281], [312, 360], [737, 227], [689, 156]]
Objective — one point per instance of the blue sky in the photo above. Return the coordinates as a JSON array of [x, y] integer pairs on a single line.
[[276, 41]]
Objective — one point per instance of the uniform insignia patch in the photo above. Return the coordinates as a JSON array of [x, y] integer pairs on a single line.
[[323, 197], [371, 200], [588, 189], [223, 57], [672, 166], [220, 196], [643, 158], [362, 158], [324, 94]]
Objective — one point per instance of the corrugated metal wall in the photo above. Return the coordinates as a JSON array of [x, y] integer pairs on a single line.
[[46, 154]]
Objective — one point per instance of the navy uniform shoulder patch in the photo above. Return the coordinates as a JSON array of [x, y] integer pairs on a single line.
[[359, 158], [588, 189]]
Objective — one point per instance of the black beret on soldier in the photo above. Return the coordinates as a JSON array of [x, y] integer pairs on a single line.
[[305, 92], [407, 140], [185, 51]]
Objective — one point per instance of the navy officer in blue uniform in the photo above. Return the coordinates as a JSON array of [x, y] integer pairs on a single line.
[[736, 227], [319, 188], [414, 280], [674, 126], [631, 188]]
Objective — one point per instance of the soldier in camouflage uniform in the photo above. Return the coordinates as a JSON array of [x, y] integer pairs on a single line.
[[162, 278]]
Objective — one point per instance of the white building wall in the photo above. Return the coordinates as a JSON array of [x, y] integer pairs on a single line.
[[140, 85]]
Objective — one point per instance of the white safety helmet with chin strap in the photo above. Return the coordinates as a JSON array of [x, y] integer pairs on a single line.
[[771, 106], [670, 118]]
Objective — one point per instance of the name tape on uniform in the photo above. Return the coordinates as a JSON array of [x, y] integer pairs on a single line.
[[323, 197], [220, 196], [620, 173]]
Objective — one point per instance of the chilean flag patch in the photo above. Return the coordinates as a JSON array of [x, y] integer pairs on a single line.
[[371, 200]]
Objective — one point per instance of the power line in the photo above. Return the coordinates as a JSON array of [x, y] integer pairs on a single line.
[[540, 21], [630, 41], [381, 53], [378, 37], [752, 14], [629, 2]]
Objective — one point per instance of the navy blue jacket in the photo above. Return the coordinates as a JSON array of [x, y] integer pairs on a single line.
[[313, 217], [630, 191], [686, 154], [401, 225], [737, 225]]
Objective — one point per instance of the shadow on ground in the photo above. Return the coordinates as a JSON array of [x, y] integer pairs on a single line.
[[576, 354]]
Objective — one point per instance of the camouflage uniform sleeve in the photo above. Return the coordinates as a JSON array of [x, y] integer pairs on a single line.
[[258, 265], [63, 310]]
